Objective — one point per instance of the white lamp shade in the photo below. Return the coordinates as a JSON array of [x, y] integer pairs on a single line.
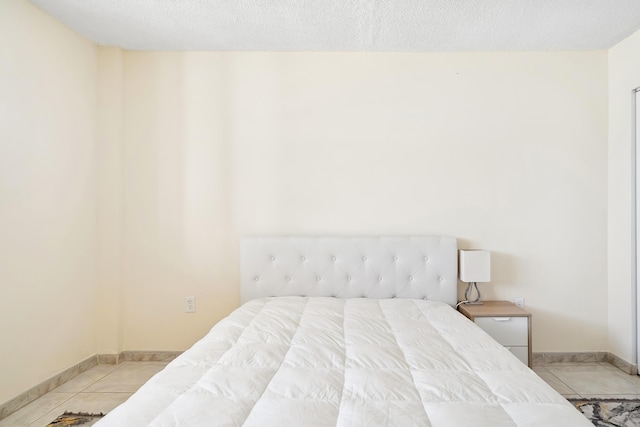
[[475, 265]]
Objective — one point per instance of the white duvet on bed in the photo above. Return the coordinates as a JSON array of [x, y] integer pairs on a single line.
[[295, 361]]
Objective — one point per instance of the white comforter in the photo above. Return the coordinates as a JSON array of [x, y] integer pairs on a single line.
[[294, 361]]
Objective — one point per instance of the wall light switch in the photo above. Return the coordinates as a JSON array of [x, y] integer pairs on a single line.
[[189, 304], [519, 302]]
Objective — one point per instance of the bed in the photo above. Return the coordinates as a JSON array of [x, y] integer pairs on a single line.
[[348, 332]]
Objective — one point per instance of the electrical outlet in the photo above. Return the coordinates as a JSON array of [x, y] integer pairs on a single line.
[[189, 304], [519, 302]]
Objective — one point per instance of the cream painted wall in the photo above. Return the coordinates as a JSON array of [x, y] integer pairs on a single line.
[[624, 76], [506, 151], [110, 187], [47, 197], [177, 224]]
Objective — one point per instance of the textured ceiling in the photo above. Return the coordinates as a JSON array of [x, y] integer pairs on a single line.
[[350, 25]]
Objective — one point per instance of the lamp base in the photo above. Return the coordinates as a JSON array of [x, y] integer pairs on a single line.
[[468, 300]]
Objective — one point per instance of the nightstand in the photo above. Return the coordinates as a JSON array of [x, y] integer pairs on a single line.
[[506, 323]]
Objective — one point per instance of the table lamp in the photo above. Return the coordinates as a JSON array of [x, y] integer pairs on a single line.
[[475, 266]]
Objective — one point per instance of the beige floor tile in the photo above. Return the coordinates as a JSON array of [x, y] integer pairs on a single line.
[[609, 366], [35, 410], [127, 378], [571, 364], [593, 380], [576, 367], [634, 379], [84, 402], [553, 381], [85, 379], [559, 386], [147, 363]]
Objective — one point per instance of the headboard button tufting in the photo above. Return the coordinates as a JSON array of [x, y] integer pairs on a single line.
[[378, 266]]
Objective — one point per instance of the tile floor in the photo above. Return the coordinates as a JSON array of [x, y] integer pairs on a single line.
[[104, 387], [99, 389], [588, 380]]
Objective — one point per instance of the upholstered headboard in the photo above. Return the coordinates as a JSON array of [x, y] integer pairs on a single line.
[[350, 267]]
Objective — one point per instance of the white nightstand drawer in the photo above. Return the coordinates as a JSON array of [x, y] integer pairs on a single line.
[[521, 353], [508, 331]]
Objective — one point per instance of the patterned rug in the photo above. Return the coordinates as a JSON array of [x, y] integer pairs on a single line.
[[83, 419], [610, 412]]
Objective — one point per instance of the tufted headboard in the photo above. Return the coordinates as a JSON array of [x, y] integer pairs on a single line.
[[350, 267]]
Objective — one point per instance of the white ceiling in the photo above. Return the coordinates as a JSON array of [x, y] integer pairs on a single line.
[[350, 25]]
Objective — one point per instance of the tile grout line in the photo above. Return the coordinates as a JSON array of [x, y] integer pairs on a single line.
[[62, 399], [625, 377], [30, 395], [36, 419], [83, 390], [561, 382], [610, 370], [101, 378], [60, 409], [62, 403]]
